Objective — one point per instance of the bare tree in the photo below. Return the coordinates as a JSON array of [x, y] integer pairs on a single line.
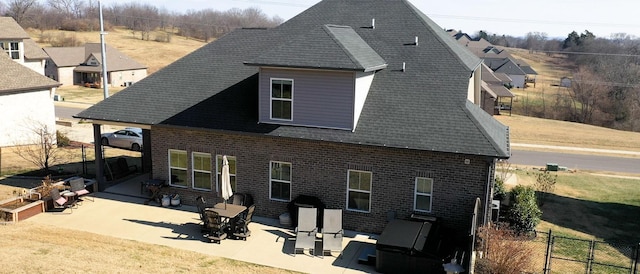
[[70, 8], [18, 9], [587, 93], [44, 151]]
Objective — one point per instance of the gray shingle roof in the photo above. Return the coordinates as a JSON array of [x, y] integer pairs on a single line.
[[33, 51], [10, 29], [66, 56], [424, 108], [16, 78], [504, 65], [74, 56], [325, 47]]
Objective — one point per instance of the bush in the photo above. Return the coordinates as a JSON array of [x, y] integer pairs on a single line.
[[61, 40], [524, 214], [545, 184], [504, 252], [62, 138], [499, 191]]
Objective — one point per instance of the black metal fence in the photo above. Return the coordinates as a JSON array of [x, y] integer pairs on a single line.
[[573, 255]]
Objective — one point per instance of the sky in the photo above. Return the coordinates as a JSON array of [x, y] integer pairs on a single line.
[[556, 18]]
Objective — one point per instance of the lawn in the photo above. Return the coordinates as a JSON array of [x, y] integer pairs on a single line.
[[531, 130], [29, 248], [585, 207], [592, 206]]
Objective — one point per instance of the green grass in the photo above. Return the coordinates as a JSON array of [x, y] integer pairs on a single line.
[[585, 207]]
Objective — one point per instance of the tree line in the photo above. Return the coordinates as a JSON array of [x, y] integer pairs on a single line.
[[605, 81], [83, 15]]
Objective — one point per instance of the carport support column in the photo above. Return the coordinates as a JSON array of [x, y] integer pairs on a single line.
[[99, 159], [146, 152]]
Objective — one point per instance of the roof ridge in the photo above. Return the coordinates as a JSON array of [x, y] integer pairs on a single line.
[[471, 115], [339, 43], [437, 36]]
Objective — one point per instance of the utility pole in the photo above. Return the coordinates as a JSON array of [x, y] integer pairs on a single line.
[[105, 80]]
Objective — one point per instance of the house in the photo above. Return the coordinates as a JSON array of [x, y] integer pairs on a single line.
[[498, 59], [19, 46], [83, 66], [565, 82], [26, 101], [494, 92], [373, 109]]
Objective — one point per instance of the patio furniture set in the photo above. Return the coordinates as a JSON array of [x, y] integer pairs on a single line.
[[72, 196], [223, 220]]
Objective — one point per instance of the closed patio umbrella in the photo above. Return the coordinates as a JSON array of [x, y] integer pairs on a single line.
[[225, 183]]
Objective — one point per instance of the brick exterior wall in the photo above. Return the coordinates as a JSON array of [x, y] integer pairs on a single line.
[[320, 169]]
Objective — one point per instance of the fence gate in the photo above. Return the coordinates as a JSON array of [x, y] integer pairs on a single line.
[[572, 255]]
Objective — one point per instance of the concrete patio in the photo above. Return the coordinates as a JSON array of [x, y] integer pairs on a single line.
[[120, 212]]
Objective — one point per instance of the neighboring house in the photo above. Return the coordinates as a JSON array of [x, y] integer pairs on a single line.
[[495, 95], [26, 103], [509, 67], [83, 66], [19, 46], [381, 120], [499, 60]]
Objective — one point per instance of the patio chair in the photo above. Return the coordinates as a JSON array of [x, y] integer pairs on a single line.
[[201, 205], [79, 188], [238, 199], [242, 225], [215, 226], [60, 201], [306, 230], [332, 231]]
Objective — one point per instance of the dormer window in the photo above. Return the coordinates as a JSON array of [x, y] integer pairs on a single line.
[[12, 48], [281, 99]]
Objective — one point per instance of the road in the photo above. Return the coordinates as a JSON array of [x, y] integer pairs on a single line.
[[576, 161], [67, 112]]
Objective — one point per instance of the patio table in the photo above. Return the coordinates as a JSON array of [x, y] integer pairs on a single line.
[[153, 185], [228, 211]]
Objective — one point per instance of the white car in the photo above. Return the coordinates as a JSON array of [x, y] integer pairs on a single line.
[[128, 138]]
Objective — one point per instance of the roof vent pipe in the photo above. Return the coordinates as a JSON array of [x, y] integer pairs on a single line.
[[404, 66], [373, 23], [416, 42]]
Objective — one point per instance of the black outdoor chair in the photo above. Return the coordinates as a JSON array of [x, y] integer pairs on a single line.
[[215, 226], [201, 205], [242, 225], [238, 199]]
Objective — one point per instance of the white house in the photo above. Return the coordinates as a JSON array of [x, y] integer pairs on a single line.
[[19, 46], [83, 66], [25, 102]]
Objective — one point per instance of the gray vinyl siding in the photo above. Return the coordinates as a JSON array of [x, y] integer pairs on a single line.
[[320, 98]]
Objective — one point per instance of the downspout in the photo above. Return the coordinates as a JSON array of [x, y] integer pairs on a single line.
[[488, 192]]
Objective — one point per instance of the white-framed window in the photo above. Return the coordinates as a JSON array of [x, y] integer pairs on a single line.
[[232, 171], [280, 181], [281, 99], [12, 48], [178, 167], [359, 190], [423, 194], [201, 170]]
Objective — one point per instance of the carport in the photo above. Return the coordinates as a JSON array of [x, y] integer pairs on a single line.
[[100, 161]]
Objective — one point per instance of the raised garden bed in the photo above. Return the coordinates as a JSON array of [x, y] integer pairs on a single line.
[[17, 209]]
